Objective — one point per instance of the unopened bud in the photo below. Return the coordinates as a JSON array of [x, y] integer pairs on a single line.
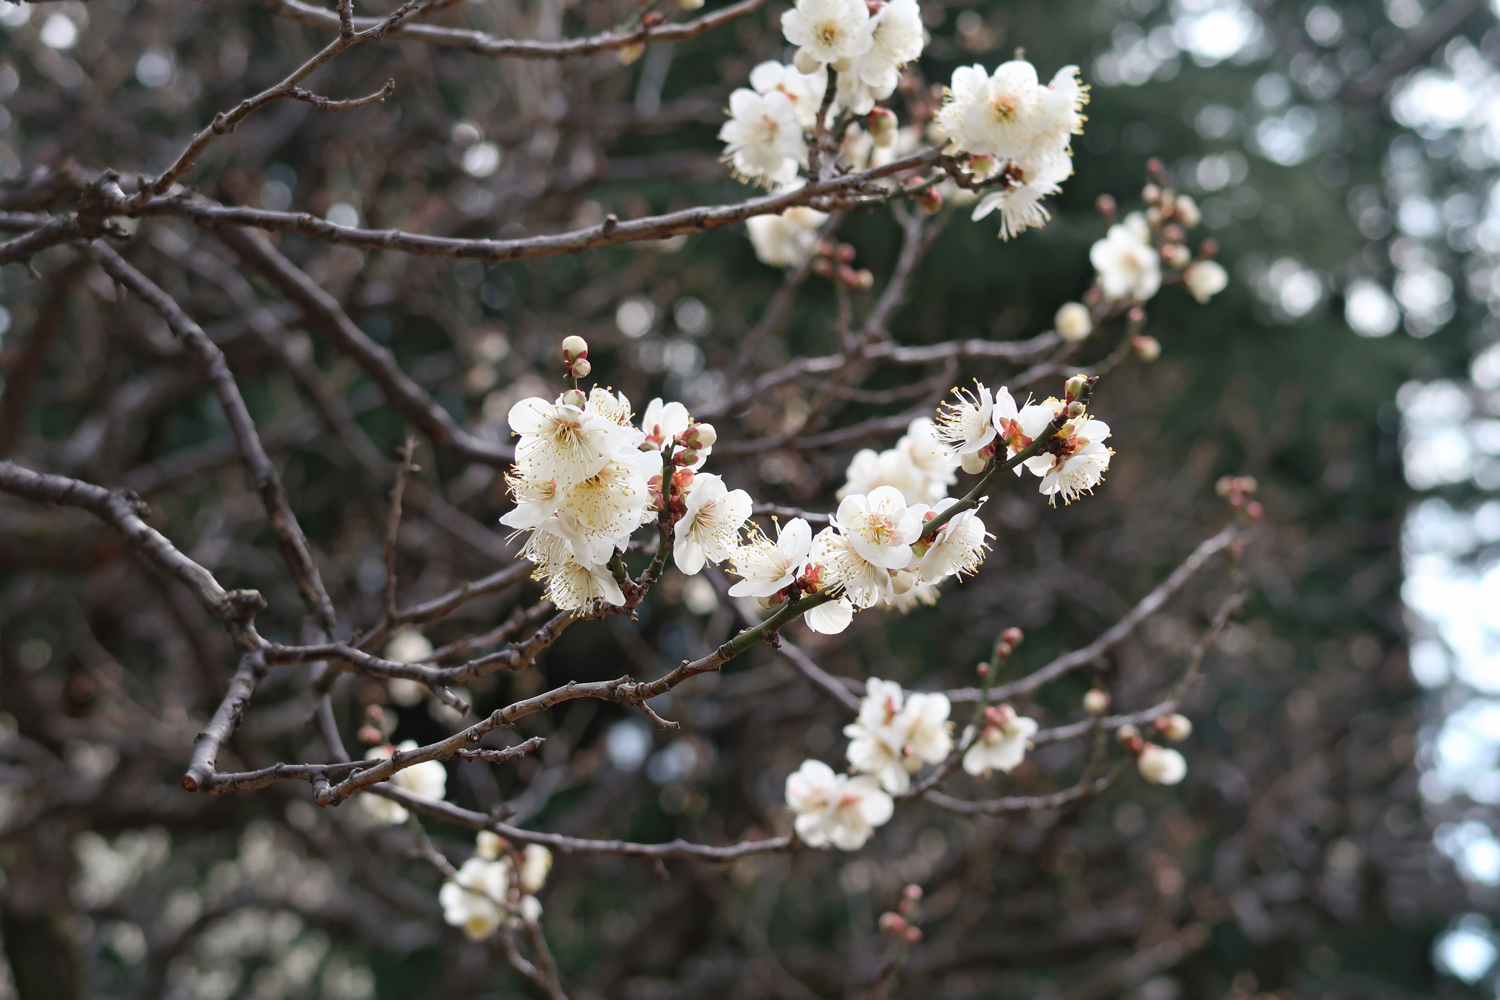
[[822, 267], [982, 166], [574, 397], [1174, 727], [1176, 255], [374, 715], [1130, 738], [574, 347], [1151, 194], [1153, 216], [1096, 701], [1225, 486], [1161, 766], [1208, 249], [1076, 409], [863, 279], [1106, 206], [1146, 347], [652, 18], [1076, 386], [371, 735], [912, 891], [1003, 650], [1245, 484], [930, 200], [580, 368], [883, 127], [1187, 212], [913, 935], [706, 435], [689, 4], [1074, 322], [630, 53], [1254, 511], [1013, 636], [1174, 233], [845, 253], [983, 670], [892, 923], [686, 456]]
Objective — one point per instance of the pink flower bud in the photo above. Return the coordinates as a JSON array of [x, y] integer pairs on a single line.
[[580, 368], [892, 923], [1146, 347], [1013, 636], [883, 126], [913, 935]]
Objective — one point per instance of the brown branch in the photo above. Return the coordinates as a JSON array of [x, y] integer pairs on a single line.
[[236, 608], [331, 104], [324, 312], [226, 122], [221, 783], [404, 470], [824, 194], [251, 672], [294, 548], [57, 231], [483, 44], [579, 845], [1115, 633]]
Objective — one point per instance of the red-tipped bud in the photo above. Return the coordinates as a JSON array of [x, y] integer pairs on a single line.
[[1151, 194], [912, 891], [1254, 511], [1075, 387], [845, 253], [883, 127], [983, 670], [1013, 635], [371, 735], [575, 397], [913, 935], [1174, 727], [822, 267], [652, 18], [1176, 255], [1146, 347], [1208, 249], [892, 923], [1106, 206], [1130, 739]]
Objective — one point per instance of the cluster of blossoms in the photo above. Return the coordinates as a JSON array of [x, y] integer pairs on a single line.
[[496, 887], [863, 44], [1130, 258], [977, 424], [894, 735], [1014, 128], [586, 477]]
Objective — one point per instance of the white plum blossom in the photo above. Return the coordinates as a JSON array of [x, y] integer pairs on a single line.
[[835, 808], [1002, 744], [765, 567], [536, 864], [1020, 206], [957, 548], [1079, 462], [788, 239], [992, 114], [408, 646], [571, 584], [870, 469], [763, 137], [803, 90], [895, 734], [837, 567], [1204, 279], [427, 779], [1021, 129], [1128, 265], [895, 38], [536, 499], [880, 526], [928, 453], [827, 31], [474, 899], [965, 425], [710, 528], [560, 441], [1161, 765]]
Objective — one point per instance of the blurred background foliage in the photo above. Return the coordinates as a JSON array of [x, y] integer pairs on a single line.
[[1341, 154]]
